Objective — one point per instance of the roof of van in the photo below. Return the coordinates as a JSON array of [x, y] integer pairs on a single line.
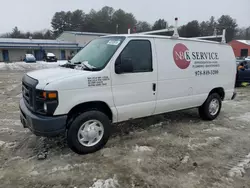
[[164, 37]]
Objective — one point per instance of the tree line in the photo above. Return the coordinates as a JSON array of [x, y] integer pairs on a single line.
[[109, 20], [16, 33]]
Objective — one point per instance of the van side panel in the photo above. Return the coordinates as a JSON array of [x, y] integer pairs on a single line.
[[189, 70]]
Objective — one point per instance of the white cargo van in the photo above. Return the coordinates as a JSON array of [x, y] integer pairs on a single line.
[[122, 77]]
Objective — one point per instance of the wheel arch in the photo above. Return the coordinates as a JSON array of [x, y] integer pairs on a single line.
[[220, 91], [91, 105]]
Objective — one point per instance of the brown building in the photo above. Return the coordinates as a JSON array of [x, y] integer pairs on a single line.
[[241, 47]]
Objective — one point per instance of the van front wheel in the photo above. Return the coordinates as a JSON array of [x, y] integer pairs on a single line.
[[211, 108], [89, 132]]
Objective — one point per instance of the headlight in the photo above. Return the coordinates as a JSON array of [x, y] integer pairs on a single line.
[[46, 102]]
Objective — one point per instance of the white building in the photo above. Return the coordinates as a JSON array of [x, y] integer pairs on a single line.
[[68, 43], [15, 49]]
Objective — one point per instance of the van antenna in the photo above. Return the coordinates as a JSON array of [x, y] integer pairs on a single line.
[[176, 34]]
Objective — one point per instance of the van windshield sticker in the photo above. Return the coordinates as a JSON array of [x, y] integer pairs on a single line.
[[114, 42]]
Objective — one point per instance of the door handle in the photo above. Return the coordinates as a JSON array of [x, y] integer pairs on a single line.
[[154, 87]]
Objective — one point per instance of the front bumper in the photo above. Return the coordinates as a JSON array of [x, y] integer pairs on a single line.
[[42, 125]]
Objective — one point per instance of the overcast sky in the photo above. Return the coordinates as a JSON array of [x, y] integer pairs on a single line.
[[34, 15]]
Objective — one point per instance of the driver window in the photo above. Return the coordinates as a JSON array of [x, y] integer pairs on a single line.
[[140, 53]]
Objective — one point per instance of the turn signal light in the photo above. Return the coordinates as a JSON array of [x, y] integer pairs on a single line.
[[50, 95]]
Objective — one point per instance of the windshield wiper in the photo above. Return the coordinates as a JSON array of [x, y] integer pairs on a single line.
[[80, 65], [84, 65], [68, 65], [88, 66]]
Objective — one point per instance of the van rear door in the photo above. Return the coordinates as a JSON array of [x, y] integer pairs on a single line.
[[134, 91]]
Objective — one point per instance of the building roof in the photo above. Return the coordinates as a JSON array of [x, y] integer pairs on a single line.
[[86, 33], [35, 43], [247, 42], [32, 41]]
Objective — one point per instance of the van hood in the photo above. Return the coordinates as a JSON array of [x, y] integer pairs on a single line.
[[46, 76]]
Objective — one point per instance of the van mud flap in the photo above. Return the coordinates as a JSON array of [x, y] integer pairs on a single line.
[[234, 95]]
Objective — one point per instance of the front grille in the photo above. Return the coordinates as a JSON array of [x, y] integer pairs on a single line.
[[27, 94], [28, 91]]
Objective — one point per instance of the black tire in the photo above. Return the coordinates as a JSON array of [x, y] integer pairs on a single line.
[[72, 134], [204, 109]]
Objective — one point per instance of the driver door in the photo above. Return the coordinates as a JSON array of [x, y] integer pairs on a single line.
[[134, 91]]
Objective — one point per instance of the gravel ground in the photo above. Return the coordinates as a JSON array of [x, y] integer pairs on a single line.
[[171, 150]]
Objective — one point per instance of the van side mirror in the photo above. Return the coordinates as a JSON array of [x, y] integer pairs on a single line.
[[123, 65]]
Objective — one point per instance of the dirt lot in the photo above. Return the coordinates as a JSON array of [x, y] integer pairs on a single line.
[[171, 150]]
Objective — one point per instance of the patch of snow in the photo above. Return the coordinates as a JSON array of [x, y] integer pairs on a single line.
[[2, 66], [157, 125], [108, 183], [66, 155], [1, 143], [142, 148], [19, 95], [245, 117], [209, 141], [15, 158], [6, 130], [157, 138], [34, 173], [139, 160], [239, 169], [11, 121], [165, 134], [192, 174], [12, 87], [217, 129], [7, 120], [185, 159], [68, 167], [7, 145], [30, 66], [212, 139]]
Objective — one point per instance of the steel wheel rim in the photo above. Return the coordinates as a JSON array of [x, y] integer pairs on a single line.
[[90, 133], [214, 107]]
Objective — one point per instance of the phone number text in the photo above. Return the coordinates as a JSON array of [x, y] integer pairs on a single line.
[[206, 72]]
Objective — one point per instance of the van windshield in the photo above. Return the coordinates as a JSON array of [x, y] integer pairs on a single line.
[[96, 54]]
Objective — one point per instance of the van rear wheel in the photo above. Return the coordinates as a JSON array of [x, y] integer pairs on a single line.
[[89, 132], [211, 107]]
